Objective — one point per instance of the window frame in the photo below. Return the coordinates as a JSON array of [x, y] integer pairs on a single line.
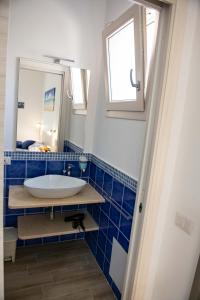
[[137, 14]]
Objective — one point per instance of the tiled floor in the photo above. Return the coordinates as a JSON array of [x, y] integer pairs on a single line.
[[57, 272]]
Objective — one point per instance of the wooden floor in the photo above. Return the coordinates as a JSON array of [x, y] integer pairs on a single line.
[[57, 272]]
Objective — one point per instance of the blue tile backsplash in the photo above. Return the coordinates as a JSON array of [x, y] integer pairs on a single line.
[[16, 170], [35, 168], [114, 217], [55, 167]]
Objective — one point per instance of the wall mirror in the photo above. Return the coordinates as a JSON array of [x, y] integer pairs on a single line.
[[51, 107]]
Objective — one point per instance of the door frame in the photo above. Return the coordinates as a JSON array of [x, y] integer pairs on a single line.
[[162, 93]]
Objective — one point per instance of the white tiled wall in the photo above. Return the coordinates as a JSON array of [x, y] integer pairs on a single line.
[[4, 12]]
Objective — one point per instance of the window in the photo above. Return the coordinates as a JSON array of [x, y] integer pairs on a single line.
[[128, 46], [79, 88], [125, 62]]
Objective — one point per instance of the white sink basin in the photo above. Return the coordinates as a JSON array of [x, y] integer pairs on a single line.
[[54, 186]]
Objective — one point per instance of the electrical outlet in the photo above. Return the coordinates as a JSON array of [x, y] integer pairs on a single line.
[[184, 223], [7, 160]]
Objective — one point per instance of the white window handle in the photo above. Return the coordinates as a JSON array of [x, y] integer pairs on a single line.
[[135, 85]]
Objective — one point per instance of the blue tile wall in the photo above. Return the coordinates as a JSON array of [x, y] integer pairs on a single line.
[[115, 173], [71, 147], [18, 171], [55, 167], [114, 217], [107, 184], [35, 168]]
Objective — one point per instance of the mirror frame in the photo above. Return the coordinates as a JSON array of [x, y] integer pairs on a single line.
[[54, 68]]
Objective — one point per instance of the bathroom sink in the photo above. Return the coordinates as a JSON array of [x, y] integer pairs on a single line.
[[54, 186]]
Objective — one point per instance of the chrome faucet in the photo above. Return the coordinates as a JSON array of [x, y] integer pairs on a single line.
[[68, 171]]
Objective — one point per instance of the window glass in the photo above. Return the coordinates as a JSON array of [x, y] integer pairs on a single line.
[[77, 86], [121, 60]]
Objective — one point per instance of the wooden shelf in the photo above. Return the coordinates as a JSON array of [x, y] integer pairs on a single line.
[[19, 197], [38, 226]]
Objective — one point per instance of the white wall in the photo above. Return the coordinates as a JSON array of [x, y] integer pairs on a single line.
[[114, 8], [31, 93], [117, 141], [74, 29], [175, 253], [69, 29], [77, 129]]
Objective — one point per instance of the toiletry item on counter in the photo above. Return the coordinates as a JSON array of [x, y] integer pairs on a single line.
[[83, 163]]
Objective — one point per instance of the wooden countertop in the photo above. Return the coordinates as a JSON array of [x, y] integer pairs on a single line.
[[19, 197]]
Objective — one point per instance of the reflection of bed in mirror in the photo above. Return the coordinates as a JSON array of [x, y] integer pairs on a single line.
[[33, 146]]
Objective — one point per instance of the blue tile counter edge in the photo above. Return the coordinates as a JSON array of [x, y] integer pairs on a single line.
[[52, 156]]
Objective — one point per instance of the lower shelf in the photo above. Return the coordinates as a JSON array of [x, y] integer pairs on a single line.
[[38, 226]]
